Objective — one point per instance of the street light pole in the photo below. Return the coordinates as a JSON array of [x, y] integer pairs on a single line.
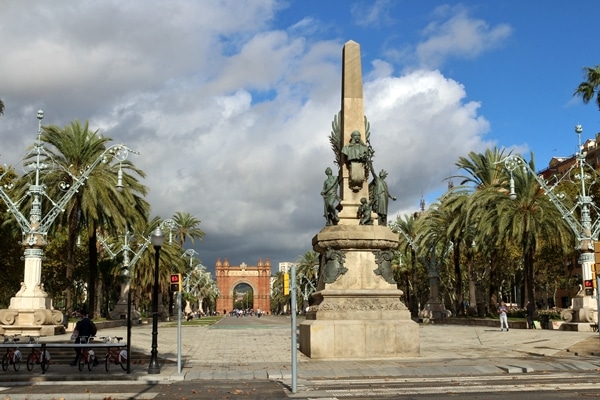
[[31, 306], [586, 232], [157, 241]]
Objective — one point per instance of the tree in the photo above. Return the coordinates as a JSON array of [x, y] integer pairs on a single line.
[[306, 276], [1, 107], [410, 281], [99, 202], [484, 178], [588, 89], [529, 220], [187, 227]]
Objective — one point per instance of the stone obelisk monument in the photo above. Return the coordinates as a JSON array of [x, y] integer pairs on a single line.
[[357, 311]]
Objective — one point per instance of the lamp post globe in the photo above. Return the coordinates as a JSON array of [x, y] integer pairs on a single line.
[[157, 238]]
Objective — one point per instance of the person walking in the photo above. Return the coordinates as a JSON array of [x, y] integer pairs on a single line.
[[502, 310]]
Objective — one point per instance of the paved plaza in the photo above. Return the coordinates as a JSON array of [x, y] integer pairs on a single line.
[[260, 348]]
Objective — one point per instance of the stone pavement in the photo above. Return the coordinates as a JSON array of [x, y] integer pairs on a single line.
[[260, 348]]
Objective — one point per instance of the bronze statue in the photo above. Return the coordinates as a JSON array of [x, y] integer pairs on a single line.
[[357, 156], [378, 190], [364, 212], [330, 197], [356, 149]]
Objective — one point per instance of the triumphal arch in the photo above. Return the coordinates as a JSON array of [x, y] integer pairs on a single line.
[[258, 277]]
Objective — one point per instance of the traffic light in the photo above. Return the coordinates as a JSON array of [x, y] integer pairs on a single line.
[[588, 285], [286, 283], [175, 282]]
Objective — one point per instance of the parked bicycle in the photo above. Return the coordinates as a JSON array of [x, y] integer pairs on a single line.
[[114, 356], [87, 354], [37, 356], [12, 355]]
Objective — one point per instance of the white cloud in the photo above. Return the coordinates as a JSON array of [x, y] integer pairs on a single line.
[[456, 34], [231, 118]]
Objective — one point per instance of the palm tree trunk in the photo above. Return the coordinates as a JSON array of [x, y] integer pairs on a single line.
[[93, 273], [493, 289], [459, 281], [71, 249], [529, 278]]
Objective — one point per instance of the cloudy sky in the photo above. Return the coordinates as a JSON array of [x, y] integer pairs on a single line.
[[230, 103]]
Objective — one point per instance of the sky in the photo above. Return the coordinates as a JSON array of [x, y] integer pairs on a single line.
[[230, 103]]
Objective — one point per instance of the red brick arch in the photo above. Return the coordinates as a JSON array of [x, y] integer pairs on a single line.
[[257, 276]]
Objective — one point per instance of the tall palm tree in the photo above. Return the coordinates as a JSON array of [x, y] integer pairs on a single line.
[[187, 227], [483, 179], [529, 220], [97, 203], [407, 224], [588, 89]]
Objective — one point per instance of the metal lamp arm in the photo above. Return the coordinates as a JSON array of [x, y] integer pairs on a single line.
[[411, 243], [139, 253], [23, 222], [513, 161], [119, 151]]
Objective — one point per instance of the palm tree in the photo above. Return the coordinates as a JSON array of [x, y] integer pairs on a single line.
[[588, 89], [1, 107], [407, 224], [98, 202], [529, 220], [307, 275], [187, 227], [484, 179], [278, 298]]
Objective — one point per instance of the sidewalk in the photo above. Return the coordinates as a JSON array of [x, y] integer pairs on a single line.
[[259, 348]]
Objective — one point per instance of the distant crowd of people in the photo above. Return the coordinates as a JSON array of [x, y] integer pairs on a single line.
[[248, 312]]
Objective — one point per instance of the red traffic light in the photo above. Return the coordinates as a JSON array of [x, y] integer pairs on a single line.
[[588, 283], [175, 283]]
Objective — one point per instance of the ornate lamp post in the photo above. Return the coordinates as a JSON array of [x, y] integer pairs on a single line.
[[31, 309], [157, 239], [586, 232]]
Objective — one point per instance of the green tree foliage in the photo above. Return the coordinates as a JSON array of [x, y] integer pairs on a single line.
[[588, 89]]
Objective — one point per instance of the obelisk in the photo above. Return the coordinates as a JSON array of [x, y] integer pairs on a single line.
[[352, 120], [357, 312]]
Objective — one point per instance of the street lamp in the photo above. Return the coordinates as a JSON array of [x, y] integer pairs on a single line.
[[31, 305], [126, 272], [586, 231], [157, 240]]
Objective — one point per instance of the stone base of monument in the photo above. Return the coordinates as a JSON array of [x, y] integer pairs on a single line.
[[359, 324], [40, 322], [120, 312], [358, 312]]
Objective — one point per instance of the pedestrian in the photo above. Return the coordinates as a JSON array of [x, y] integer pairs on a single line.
[[530, 308], [502, 310], [84, 328]]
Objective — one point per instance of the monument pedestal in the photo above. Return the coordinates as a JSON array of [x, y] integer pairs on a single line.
[[30, 311], [357, 313]]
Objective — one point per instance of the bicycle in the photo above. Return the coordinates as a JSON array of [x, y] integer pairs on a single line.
[[12, 355], [114, 356], [87, 355], [37, 356]]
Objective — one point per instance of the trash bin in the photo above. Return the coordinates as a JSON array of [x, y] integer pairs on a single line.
[[545, 319]]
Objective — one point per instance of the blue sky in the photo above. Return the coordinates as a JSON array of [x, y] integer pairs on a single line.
[[230, 103]]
